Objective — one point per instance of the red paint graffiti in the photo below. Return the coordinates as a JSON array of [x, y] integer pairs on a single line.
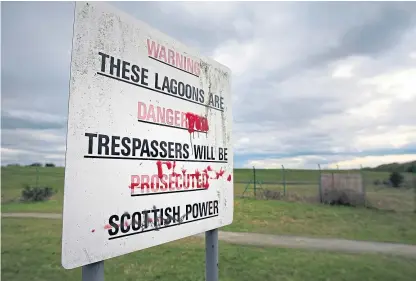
[[229, 177], [196, 123], [220, 173]]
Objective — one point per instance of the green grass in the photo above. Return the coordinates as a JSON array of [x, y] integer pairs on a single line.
[[31, 251], [279, 217]]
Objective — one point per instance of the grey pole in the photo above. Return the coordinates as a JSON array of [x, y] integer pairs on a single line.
[[93, 271], [211, 255]]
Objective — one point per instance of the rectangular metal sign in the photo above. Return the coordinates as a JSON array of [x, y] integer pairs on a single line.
[[149, 158]]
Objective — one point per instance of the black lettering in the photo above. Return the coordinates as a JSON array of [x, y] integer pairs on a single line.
[[178, 151], [136, 221], [124, 226], [195, 95], [155, 218], [173, 86], [125, 70], [198, 152], [90, 141], [203, 209], [188, 91], [146, 218], [165, 85], [210, 213], [216, 206], [125, 142], [217, 101], [169, 218], [114, 65], [161, 219], [144, 77], [220, 154], [185, 151], [171, 149], [225, 154], [135, 77], [176, 214], [222, 103], [114, 226], [201, 96], [162, 147], [154, 146], [188, 210], [181, 89], [103, 58], [210, 100], [136, 145], [145, 148], [103, 142], [156, 81], [114, 145], [195, 211]]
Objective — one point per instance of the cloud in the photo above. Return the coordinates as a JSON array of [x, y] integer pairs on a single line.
[[313, 82]]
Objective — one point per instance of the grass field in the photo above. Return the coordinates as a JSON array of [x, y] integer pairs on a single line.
[[262, 216], [37, 257]]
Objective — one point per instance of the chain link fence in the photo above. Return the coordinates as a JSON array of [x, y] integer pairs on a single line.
[[372, 189]]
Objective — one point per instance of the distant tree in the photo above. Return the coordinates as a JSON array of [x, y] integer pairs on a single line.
[[412, 169], [396, 179], [49, 165], [36, 165]]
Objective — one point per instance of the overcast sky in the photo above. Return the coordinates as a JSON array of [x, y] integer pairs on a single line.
[[325, 82]]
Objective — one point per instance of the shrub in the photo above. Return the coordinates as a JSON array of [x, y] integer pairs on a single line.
[[412, 169], [35, 165], [396, 179], [386, 182], [36, 194], [49, 165], [377, 182], [272, 194], [343, 197]]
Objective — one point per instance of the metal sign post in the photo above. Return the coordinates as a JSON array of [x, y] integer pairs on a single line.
[[93, 271], [211, 255]]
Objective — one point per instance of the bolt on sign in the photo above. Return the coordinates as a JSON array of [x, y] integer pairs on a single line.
[[149, 157]]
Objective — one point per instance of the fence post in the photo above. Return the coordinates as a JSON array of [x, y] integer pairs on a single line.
[[284, 180], [320, 184], [37, 176], [254, 181], [363, 182]]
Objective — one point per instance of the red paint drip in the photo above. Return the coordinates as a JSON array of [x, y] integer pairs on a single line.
[[93, 230], [209, 168], [159, 169], [197, 174], [220, 173], [183, 171], [229, 177]]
